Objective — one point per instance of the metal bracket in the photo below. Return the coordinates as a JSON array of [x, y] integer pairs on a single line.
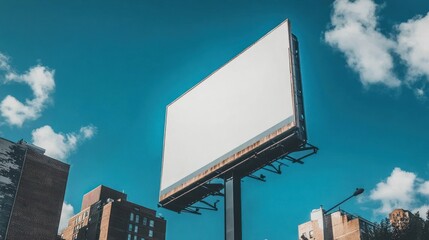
[[310, 149], [191, 210], [259, 178], [275, 169], [209, 189], [206, 206]]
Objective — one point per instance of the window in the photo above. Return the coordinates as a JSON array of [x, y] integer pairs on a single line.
[[130, 227], [137, 218], [150, 233], [151, 223], [142, 238], [136, 229], [135, 237], [131, 216], [129, 237], [144, 221]]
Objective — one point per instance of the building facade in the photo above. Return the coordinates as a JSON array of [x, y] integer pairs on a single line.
[[107, 215], [338, 225], [400, 218], [32, 188]]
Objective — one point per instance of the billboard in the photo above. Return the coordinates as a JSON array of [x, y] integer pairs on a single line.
[[238, 108]]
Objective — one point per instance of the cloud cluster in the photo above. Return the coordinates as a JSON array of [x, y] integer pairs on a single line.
[[401, 189], [413, 47], [41, 81], [66, 213], [60, 145], [370, 53], [355, 34], [16, 113]]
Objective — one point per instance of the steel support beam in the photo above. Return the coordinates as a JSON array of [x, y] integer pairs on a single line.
[[233, 207]]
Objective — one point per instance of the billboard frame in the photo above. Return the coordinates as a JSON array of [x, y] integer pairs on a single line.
[[282, 144]]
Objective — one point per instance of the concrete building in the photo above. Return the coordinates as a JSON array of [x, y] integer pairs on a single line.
[[107, 215], [338, 225], [400, 218], [32, 188]]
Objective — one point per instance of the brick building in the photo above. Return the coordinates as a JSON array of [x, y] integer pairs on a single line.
[[338, 225], [32, 188], [400, 218], [107, 215]]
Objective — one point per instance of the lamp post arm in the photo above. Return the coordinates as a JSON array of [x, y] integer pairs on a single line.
[[338, 204], [357, 192]]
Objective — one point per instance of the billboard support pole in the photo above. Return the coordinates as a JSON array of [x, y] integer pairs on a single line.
[[233, 207]]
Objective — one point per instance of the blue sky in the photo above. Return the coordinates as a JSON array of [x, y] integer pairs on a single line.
[[90, 83]]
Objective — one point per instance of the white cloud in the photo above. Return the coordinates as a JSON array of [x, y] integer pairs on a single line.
[[66, 213], [87, 131], [60, 145], [422, 210], [396, 192], [413, 47], [41, 81], [419, 92], [4, 62], [401, 189], [354, 32], [424, 188]]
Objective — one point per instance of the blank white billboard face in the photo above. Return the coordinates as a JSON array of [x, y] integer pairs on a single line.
[[246, 100]]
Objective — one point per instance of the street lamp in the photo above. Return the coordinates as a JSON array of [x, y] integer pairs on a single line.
[[357, 192], [326, 220]]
